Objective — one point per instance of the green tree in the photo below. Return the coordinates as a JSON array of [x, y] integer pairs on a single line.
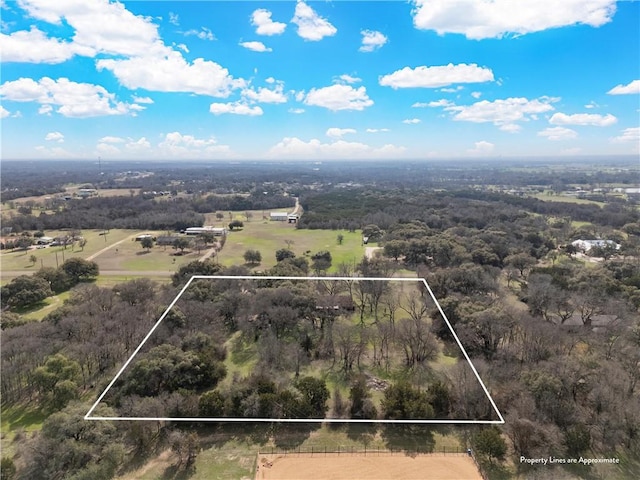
[[340, 238], [284, 253], [80, 270], [57, 278], [211, 404], [181, 243], [252, 257], [321, 261], [520, 261], [185, 272], [315, 393], [489, 443], [33, 259], [360, 397], [235, 224], [24, 291], [7, 468], [147, 243], [403, 401]]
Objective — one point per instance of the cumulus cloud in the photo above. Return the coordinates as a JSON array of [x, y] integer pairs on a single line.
[[435, 103], [510, 127], [345, 78], [628, 135], [4, 113], [54, 137], [335, 132], [482, 148], [372, 40], [411, 121], [297, 111], [175, 144], [111, 139], [265, 95], [339, 97], [452, 89], [255, 46], [293, 147], [438, 76], [174, 19], [311, 26], [142, 144], [142, 99], [479, 19], [558, 133], [476, 94], [629, 89], [502, 112], [73, 99], [170, 72], [592, 119], [33, 46], [261, 19], [376, 130], [99, 26], [203, 34], [235, 108]]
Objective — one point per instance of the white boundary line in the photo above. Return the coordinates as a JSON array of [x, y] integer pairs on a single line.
[[298, 420]]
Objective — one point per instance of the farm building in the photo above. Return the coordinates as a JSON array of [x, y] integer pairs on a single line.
[[44, 241], [279, 216], [586, 245], [218, 231], [293, 218], [164, 240], [139, 238]]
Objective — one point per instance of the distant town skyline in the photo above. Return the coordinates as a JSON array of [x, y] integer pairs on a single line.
[[290, 80]]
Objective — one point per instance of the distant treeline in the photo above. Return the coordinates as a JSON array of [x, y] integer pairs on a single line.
[[355, 208], [142, 213]]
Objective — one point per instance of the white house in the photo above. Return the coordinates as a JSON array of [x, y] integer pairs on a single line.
[[586, 245], [218, 231], [279, 216]]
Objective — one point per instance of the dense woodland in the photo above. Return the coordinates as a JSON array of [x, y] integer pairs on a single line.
[[554, 334]]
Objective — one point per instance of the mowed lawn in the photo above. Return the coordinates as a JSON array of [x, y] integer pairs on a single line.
[[269, 236]]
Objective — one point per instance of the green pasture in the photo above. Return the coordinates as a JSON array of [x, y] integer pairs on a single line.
[[54, 256], [18, 418], [269, 236], [562, 198]]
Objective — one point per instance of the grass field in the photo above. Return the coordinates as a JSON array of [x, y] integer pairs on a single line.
[[267, 237], [562, 198], [18, 418]]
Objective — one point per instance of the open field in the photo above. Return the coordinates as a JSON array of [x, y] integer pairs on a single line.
[[269, 236], [562, 198], [371, 466]]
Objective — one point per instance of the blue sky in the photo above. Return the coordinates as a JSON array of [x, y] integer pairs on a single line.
[[319, 80]]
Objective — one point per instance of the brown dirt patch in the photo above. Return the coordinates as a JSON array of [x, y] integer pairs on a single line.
[[371, 466]]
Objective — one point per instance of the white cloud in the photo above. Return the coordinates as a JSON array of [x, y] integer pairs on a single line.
[[347, 79], [411, 121], [183, 47], [510, 127], [571, 151], [110, 139], [73, 99], [170, 72], [558, 133], [452, 89], [297, 111], [628, 135], [482, 148], [478, 19], [436, 103], [139, 145], [583, 119], [311, 26], [107, 149], [99, 26], [476, 94], [339, 97], [261, 19], [54, 137], [142, 99], [335, 132], [203, 34], [236, 108], [33, 46], [270, 80], [54, 152], [631, 88], [293, 147], [264, 95], [372, 40], [175, 144], [433, 77], [502, 112], [4, 113], [376, 130], [591, 105], [174, 19], [45, 110], [255, 46]]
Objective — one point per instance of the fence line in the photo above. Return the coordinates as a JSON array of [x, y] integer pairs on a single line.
[[321, 451]]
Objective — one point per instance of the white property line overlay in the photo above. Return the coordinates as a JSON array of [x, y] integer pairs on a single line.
[[298, 420]]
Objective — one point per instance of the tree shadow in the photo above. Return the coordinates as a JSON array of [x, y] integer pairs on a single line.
[[410, 437]]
